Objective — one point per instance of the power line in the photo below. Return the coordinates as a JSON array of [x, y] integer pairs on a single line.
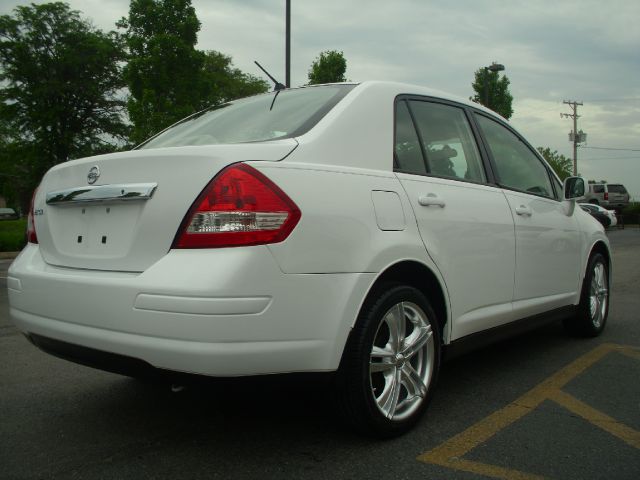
[[611, 158], [618, 149], [621, 99]]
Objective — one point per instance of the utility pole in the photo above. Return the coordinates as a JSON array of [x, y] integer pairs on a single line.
[[287, 80], [575, 136]]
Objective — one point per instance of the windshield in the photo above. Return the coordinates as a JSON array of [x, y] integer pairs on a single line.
[[263, 117]]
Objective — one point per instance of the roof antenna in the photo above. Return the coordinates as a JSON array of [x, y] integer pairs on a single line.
[[278, 85]]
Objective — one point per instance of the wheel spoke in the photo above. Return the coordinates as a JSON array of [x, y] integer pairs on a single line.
[[376, 367], [414, 384], [600, 275], [378, 352], [391, 395], [424, 334], [396, 322], [382, 360]]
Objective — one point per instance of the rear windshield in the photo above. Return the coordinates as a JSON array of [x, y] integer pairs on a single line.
[[617, 188], [263, 117]]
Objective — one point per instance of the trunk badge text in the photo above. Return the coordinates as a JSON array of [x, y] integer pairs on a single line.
[[93, 175]]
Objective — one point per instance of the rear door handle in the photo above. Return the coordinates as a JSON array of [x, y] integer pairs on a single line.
[[524, 211], [431, 199]]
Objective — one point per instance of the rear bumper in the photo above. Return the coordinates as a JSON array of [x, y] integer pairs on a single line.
[[222, 312]]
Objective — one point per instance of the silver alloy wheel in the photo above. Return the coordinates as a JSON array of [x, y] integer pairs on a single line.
[[598, 294], [402, 360]]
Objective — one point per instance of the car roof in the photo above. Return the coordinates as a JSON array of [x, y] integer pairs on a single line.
[[399, 88]]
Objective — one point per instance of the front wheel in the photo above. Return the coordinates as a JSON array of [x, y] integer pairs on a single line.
[[391, 362], [593, 309]]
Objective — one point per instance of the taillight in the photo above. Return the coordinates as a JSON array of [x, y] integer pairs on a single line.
[[606, 195], [240, 206], [32, 237]]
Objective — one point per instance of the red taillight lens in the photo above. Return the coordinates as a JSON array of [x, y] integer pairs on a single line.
[[240, 206], [606, 195], [32, 237]]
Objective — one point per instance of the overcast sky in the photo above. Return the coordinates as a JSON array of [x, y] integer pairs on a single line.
[[553, 50]]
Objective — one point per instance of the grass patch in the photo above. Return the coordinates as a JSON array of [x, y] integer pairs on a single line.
[[13, 235]]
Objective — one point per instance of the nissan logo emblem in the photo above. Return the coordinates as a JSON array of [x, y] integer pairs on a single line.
[[93, 175]]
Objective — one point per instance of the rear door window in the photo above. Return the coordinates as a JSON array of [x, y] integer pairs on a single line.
[[447, 141], [408, 155]]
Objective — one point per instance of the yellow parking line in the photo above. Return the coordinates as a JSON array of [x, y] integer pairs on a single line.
[[493, 471], [449, 454], [605, 422], [630, 352]]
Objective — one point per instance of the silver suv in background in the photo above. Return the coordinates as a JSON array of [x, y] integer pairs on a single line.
[[608, 195]]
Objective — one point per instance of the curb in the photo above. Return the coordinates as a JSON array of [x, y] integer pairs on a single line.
[[8, 255]]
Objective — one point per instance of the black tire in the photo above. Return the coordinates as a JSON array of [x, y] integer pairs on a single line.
[[362, 387], [593, 310]]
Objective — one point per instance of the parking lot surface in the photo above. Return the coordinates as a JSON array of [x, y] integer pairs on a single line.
[[541, 405]]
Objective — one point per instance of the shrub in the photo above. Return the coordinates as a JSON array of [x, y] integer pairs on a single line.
[[631, 209], [13, 235], [631, 213]]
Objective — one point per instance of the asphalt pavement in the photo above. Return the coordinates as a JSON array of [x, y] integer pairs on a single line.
[[541, 405]]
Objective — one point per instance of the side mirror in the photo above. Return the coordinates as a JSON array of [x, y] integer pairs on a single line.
[[573, 188]]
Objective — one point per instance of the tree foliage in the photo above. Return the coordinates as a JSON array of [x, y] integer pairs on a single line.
[[497, 91], [329, 67], [168, 78], [562, 165], [164, 68], [60, 93], [224, 82]]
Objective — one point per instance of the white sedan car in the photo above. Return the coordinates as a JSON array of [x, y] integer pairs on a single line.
[[362, 229]]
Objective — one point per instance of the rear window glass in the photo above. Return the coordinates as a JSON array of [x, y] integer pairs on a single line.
[[617, 188], [253, 119]]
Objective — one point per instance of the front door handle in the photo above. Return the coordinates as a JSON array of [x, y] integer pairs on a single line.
[[431, 199], [524, 211]]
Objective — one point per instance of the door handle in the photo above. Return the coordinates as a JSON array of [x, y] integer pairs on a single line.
[[523, 211], [431, 199]]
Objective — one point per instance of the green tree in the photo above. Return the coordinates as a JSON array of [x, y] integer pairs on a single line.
[[164, 70], [497, 91], [224, 82], [329, 67], [60, 93], [562, 165]]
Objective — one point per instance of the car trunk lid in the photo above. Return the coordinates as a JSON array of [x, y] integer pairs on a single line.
[[121, 211]]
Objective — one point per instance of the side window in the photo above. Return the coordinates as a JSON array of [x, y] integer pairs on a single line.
[[517, 166], [448, 143], [598, 189], [407, 146]]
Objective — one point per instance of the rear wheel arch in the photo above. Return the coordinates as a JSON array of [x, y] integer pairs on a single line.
[[421, 277]]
